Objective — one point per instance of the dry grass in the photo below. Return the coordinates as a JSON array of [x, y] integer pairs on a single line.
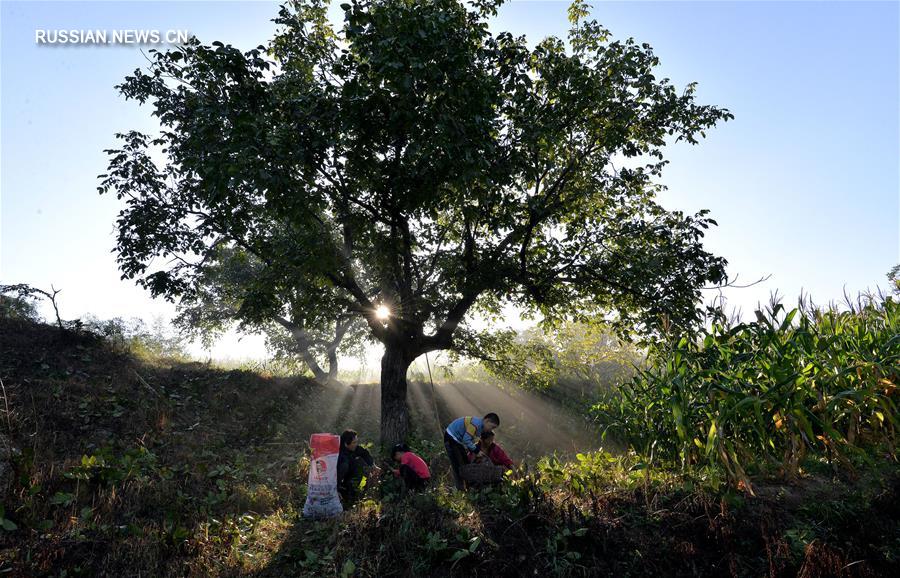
[[189, 460]]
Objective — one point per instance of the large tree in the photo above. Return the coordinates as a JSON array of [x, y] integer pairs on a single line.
[[415, 160]]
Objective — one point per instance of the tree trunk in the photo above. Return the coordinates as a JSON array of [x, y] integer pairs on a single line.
[[394, 412], [313, 365], [341, 328], [332, 367], [303, 349]]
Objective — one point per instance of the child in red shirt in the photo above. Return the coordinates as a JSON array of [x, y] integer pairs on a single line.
[[496, 454], [413, 469]]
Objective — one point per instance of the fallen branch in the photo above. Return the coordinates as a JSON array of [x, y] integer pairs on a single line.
[[147, 385], [6, 409]]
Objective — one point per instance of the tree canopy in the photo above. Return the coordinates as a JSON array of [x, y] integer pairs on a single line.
[[413, 158]]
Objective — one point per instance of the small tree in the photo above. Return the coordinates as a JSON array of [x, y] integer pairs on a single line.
[[135, 336], [18, 307], [414, 160], [584, 359], [313, 324], [18, 300]]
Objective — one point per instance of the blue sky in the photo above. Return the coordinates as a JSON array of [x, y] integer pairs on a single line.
[[804, 182]]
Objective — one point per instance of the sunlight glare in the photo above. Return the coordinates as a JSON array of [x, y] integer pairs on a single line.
[[382, 312]]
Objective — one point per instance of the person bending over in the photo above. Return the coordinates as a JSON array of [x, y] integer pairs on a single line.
[[461, 436], [492, 451], [413, 470]]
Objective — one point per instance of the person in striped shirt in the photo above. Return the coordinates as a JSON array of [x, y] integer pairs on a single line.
[[462, 436]]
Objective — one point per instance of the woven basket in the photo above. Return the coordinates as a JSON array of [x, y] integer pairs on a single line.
[[481, 473]]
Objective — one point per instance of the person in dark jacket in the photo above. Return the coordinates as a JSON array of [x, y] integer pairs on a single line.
[[353, 463]]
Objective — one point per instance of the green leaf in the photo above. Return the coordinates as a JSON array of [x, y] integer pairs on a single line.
[[62, 499], [679, 420], [459, 555], [711, 438], [787, 320], [476, 541]]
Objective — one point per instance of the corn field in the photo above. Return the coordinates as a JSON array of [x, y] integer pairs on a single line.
[[764, 396]]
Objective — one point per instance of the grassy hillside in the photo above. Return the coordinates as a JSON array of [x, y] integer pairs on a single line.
[[116, 465]]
